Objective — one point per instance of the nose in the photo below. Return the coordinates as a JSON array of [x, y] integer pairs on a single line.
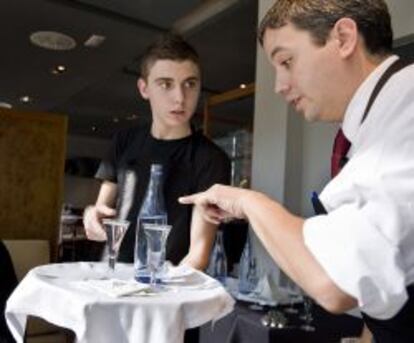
[[282, 84], [179, 95]]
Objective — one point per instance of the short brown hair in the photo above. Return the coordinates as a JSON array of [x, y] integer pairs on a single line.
[[168, 47], [319, 16]]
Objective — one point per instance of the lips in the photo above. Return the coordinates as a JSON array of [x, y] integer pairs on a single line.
[[177, 112], [295, 102]]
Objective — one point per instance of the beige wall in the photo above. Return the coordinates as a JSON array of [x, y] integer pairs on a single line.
[[402, 16]]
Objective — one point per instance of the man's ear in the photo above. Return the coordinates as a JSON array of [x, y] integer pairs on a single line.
[[142, 88], [345, 32]]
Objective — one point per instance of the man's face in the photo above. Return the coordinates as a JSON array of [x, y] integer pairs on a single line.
[[306, 75], [172, 89]]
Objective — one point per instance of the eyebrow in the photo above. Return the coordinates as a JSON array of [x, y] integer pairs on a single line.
[[276, 50], [191, 78], [161, 79]]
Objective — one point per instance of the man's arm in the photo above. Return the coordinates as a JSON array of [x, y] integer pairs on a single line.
[[201, 240], [103, 208], [281, 234]]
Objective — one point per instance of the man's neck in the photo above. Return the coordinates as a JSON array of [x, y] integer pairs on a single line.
[[168, 133]]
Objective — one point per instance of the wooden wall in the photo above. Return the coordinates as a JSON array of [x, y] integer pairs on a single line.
[[32, 155]]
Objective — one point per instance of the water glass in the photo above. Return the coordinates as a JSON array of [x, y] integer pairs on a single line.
[[307, 314], [157, 235]]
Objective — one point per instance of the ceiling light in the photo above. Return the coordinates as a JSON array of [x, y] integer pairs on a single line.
[[52, 40], [243, 86], [201, 14], [59, 69], [25, 99], [5, 105], [132, 117], [94, 41]]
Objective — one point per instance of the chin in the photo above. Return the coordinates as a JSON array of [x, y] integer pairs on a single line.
[[312, 115]]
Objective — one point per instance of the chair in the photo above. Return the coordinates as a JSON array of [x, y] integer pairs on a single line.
[[25, 255]]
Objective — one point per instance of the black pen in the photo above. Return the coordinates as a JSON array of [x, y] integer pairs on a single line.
[[317, 204]]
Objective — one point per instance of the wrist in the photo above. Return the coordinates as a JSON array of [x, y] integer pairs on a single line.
[[246, 201]]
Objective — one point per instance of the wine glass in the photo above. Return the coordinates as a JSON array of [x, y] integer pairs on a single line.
[[157, 235], [115, 231], [256, 295], [294, 295], [307, 314]]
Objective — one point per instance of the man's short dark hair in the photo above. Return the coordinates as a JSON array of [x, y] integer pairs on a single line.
[[319, 16], [168, 47]]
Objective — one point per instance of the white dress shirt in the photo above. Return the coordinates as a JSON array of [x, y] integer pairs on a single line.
[[366, 242]]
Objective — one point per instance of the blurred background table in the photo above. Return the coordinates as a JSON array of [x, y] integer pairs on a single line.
[[244, 325]]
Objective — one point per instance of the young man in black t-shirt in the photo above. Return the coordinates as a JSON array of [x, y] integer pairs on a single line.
[[170, 80]]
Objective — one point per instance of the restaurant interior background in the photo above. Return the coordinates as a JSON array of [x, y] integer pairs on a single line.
[[89, 76]]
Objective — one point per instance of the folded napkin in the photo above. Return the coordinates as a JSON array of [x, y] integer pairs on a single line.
[[115, 287], [184, 277]]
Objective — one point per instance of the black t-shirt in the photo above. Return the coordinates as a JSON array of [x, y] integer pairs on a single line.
[[190, 164]]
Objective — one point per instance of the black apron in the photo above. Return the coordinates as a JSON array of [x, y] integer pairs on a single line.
[[400, 328]]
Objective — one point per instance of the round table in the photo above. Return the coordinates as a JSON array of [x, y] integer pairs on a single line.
[[63, 295]]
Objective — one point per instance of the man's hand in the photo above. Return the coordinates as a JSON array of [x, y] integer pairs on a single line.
[[92, 221], [219, 203]]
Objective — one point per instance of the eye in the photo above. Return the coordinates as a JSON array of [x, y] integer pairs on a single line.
[[286, 63], [166, 84], [191, 84]]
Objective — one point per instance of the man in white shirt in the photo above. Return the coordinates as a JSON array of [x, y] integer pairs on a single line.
[[328, 58]]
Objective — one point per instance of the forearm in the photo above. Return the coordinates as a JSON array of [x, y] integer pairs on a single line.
[[93, 215], [201, 241], [281, 233], [107, 194]]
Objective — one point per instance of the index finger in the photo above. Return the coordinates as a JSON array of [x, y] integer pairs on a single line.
[[188, 199]]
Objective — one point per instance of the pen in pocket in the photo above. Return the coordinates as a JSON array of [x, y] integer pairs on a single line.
[[317, 204]]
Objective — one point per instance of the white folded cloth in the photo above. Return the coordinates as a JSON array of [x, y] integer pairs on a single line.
[[116, 287]]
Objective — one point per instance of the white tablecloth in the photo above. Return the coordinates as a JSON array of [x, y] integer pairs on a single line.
[[59, 294]]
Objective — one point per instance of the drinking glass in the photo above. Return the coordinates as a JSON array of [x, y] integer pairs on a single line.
[[256, 295], [307, 314], [294, 294], [157, 235], [115, 231]]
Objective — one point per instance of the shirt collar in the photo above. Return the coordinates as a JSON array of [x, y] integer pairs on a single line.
[[359, 101]]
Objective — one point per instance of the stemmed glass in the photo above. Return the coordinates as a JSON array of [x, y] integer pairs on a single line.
[[294, 294], [115, 231], [307, 314], [157, 235]]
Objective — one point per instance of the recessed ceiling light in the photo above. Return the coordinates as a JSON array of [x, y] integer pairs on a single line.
[[132, 117], [25, 99], [59, 69], [243, 86], [52, 40], [5, 105], [94, 41]]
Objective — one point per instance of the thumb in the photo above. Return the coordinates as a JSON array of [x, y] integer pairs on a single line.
[[106, 210]]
